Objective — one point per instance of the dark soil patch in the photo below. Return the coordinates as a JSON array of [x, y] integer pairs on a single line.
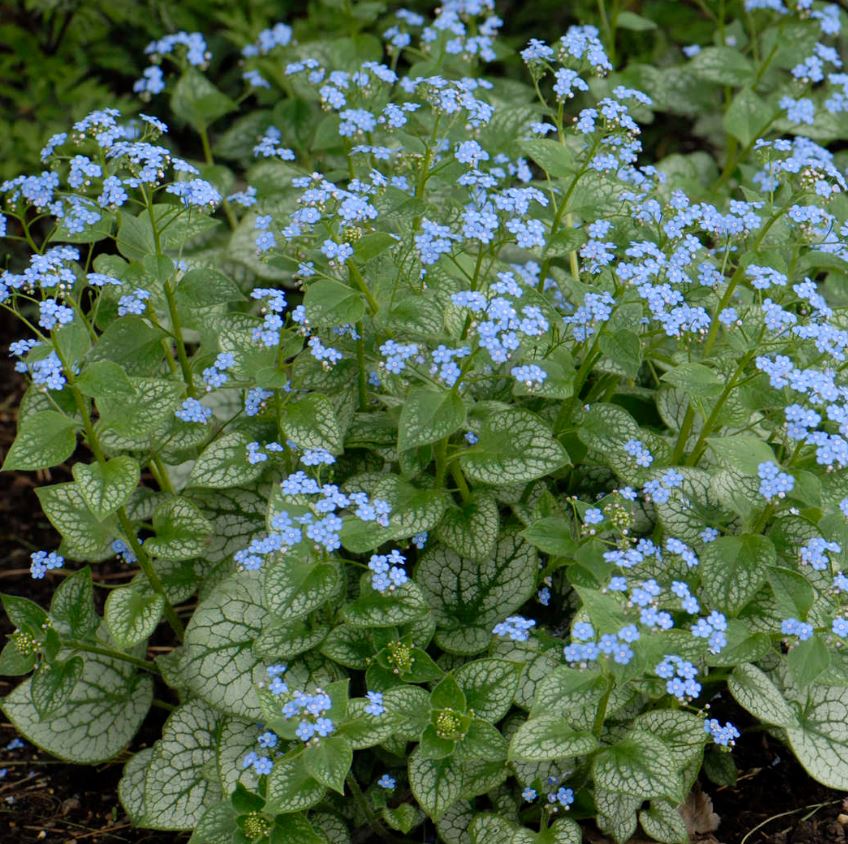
[[41, 799]]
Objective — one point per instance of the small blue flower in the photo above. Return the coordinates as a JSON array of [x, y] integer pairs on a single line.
[[515, 627], [191, 410], [44, 561], [375, 704]]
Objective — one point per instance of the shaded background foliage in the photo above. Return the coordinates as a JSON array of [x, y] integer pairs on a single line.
[[60, 59]]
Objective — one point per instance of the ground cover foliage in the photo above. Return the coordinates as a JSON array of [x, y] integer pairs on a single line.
[[466, 452]]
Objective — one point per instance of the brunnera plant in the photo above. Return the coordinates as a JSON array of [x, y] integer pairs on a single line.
[[464, 457]]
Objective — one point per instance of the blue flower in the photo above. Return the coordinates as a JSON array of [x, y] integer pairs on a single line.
[[794, 627], [375, 704], [388, 782], [191, 410], [515, 627], [773, 482], [44, 561], [723, 735]]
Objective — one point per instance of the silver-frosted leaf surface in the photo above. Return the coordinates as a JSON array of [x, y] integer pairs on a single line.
[[218, 662], [104, 711], [178, 786], [131, 786], [468, 596], [514, 446], [436, 783], [821, 741]]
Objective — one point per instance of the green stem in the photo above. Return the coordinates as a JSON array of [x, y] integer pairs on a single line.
[[361, 285], [146, 565], [711, 420], [362, 804], [182, 355], [683, 435], [144, 560], [441, 454], [462, 484], [210, 160], [160, 473], [362, 380], [96, 649], [601, 714]]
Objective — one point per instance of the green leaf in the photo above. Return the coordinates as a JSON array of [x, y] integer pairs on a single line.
[[372, 245], [53, 684], [820, 741], [329, 303], [44, 439], [616, 814], [556, 159], [436, 783], [483, 741], [471, 529], [197, 101], [545, 738], [132, 345], [329, 761], [177, 785], [448, 695], [429, 415], [808, 660], [205, 287], [755, 692], [106, 707], [293, 587], [564, 831], [469, 597], [748, 116], [132, 615], [489, 686], [84, 537], [733, 568], [663, 822], [377, 609], [632, 21], [403, 818], [14, 662], [311, 422], [741, 452], [181, 530], [681, 732], [152, 405], [216, 825], [103, 378], [486, 828], [72, 606], [414, 510], [131, 786], [223, 463], [722, 66], [624, 349], [285, 640], [24, 614], [695, 379], [107, 486], [291, 788], [291, 828], [551, 535], [793, 594], [218, 660], [637, 766], [514, 446]]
